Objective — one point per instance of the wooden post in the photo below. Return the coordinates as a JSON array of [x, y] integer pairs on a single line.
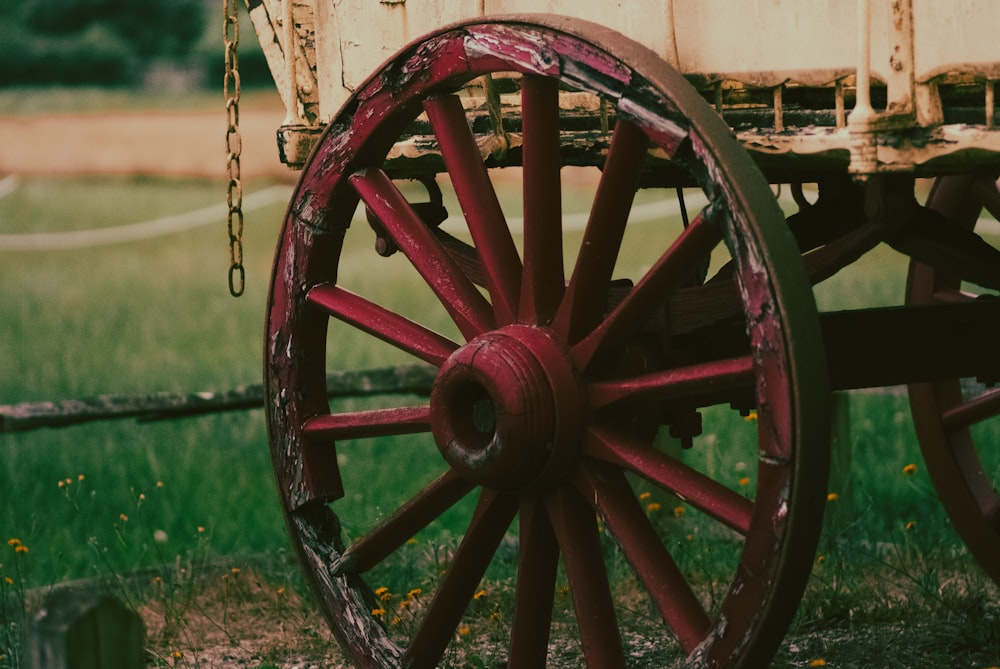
[[84, 629]]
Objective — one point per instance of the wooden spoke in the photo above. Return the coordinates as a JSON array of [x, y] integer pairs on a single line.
[[575, 528], [386, 325], [479, 203], [973, 411], [467, 307], [705, 380], [372, 423], [492, 518], [536, 582], [693, 245], [613, 498], [696, 489], [407, 521], [586, 296], [543, 282]]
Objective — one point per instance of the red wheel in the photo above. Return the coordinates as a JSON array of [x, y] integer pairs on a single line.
[[956, 420], [548, 390]]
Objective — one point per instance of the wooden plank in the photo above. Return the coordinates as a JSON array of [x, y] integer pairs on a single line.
[[405, 379]]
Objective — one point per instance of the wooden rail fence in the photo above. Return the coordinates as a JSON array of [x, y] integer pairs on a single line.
[[415, 379]]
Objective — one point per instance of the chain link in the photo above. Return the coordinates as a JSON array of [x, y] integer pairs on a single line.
[[234, 147]]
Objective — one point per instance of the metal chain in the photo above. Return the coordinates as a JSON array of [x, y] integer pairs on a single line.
[[234, 147]]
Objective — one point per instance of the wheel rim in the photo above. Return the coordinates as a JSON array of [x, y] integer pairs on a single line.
[[542, 400], [946, 413]]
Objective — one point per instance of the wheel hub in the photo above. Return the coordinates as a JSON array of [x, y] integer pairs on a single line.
[[507, 410]]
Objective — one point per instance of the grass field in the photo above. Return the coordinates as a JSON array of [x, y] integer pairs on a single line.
[[111, 498]]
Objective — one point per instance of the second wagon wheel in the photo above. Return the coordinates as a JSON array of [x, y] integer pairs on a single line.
[[956, 420], [549, 384]]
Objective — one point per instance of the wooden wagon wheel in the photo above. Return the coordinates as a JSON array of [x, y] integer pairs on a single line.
[[546, 391], [946, 413]]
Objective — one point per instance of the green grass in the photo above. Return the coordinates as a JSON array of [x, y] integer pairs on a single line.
[[156, 316]]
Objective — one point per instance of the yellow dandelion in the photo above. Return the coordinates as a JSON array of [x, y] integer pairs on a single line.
[[201, 529], [832, 497], [281, 590], [61, 484], [235, 570], [910, 525], [645, 495], [381, 591], [744, 482], [910, 469], [396, 620], [13, 542], [159, 484], [379, 612], [751, 417], [176, 655], [385, 596], [495, 617], [818, 662], [820, 559], [463, 630], [479, 595], [69, 481], [690, 537], [414, 594], [157, 580], [142, 497], [652, 507], [80, 477], [679, 511], [411, 541], [20, 548], [8, 580], [122, 517]]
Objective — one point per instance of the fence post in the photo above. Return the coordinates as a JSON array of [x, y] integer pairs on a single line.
[[85, 629]]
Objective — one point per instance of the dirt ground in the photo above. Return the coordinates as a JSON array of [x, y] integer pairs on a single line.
[[167, 144]]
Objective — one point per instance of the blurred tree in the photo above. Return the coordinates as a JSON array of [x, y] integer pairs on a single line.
[[168, 28], [95, 41]]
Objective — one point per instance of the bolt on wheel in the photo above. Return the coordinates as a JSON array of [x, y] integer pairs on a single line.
[[559, 356]]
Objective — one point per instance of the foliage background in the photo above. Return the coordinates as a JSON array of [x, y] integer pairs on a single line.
[[120, 43]]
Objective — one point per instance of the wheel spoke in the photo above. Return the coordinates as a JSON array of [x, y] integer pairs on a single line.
[[583, 304], [493, 516], [536, 582], [614, 499], [386, 325], [409, 519], [694, 244], [543, 281], [372, 423], [479, 203], [974, 411], [466, 305], [700, 381], [575, 527], [705, 494]]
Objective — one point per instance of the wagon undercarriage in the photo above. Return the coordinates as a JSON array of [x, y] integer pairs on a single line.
[[564, 357]]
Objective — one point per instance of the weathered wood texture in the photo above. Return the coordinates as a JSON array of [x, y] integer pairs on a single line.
[[415, 379], [85, 629]]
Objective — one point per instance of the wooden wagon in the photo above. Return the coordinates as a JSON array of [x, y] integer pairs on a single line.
[[560, 354]]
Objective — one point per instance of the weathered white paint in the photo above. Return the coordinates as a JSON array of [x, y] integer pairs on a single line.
[[760, 43]]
